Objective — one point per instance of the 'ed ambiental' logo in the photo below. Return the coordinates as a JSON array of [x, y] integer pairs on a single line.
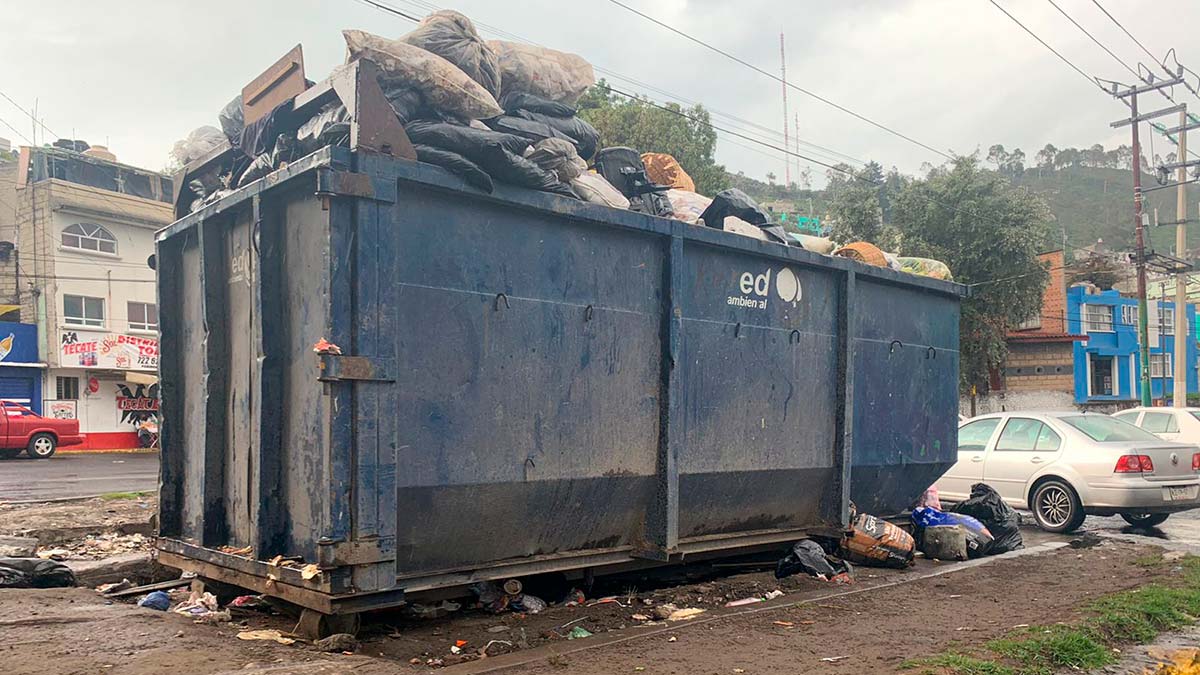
[[755, 289]]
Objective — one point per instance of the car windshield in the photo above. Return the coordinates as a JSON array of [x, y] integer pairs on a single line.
[[1108, 429], [1195, 413]]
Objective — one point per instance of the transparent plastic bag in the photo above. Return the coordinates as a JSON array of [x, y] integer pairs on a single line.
[[688, 205], [592, 187], [452, 36], [442, 84], [551, 74], [199, 143]]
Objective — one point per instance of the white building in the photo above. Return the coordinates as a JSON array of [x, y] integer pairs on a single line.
[[85, 229]]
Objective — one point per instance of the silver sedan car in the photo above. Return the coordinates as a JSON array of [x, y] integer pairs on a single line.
[[1064, 466]]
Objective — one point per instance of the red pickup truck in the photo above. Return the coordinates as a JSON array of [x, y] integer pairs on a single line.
[[23, 429]]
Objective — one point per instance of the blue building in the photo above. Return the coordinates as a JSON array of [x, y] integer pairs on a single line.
[[20, 368], [1107, 364]]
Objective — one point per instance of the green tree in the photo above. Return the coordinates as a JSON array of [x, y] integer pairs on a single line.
[[685, 134], [989, 233], [855, 213]]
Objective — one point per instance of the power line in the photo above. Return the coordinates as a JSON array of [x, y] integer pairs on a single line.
[[393, 10], [1054, 51], [834, 155], [17, 131], [786, 151], [1124, 30], [781, 80], [28, 114], [1093, 39]]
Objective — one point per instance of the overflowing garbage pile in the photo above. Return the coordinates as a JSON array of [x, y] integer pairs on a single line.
[[496, 112], [982, 525]]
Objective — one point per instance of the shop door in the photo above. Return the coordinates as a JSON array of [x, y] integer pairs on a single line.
[[19, 389]]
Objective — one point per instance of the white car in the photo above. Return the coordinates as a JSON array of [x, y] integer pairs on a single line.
[[1171, 424], [1064, 466]]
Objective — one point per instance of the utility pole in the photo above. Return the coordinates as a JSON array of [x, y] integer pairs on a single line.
[[1140, 226], [787, 161], [1181, 337], [1130, 93]]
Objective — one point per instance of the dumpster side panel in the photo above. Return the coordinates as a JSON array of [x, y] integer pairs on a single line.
[[236, 320], [906, 394], [528, 359], [759, 366], [304, 422], [189, 427]]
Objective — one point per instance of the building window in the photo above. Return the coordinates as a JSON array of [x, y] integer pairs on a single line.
[[67, 389], [1166, 320], [1098, 318], [1031, 323], [143, 316], [1129, 315], [1160, 365], [80, 310], [89, 237]]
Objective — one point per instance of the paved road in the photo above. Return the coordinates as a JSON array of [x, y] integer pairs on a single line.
[[77, 475]]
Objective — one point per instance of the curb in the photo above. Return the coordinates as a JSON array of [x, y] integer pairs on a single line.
[[107, 451], [525, 657]]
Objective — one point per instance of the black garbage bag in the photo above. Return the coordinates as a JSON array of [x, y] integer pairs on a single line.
[[733, 202], [531, 130], [34, 573], [514, 101], [807, 556], [989, 508], [406, 102], [284, 150], [585, 135], [453, 37], [508, 167], [466, 141], [330, 126], [456, 164], [623, 168], [232, 120]]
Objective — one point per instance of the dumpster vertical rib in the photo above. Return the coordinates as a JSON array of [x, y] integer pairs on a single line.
[[168, 255], [269, 522], [662, 522], [341, 403], [214, 305], [374, 434], [844, 429]]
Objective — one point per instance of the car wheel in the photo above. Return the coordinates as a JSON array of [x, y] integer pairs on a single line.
[[41, 446], [8, 453], [1145, 519], [1056, 507]]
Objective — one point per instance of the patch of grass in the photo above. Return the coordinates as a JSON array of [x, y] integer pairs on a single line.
[[1076, 647], [1148, 561], [112, 496], [960, 664], [1133, 616]]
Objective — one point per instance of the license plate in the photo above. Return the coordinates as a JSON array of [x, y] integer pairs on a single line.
[[1179, 494]]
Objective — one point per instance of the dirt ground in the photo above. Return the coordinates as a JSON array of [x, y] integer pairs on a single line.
[[878, 625], [62, 521]]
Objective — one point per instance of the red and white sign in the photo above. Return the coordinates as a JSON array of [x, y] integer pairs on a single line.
[[108, 351]]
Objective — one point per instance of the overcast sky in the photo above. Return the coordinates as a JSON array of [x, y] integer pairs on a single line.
[[955, 74]]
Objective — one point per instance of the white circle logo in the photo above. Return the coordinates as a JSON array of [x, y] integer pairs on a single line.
[[788, 286]]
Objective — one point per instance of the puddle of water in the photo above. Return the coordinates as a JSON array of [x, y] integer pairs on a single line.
[[1144, 531]]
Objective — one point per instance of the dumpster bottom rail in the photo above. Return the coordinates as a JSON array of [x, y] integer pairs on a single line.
[[318, 595]]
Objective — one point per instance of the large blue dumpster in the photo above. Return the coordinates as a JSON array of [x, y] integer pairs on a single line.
[[526, 383]]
